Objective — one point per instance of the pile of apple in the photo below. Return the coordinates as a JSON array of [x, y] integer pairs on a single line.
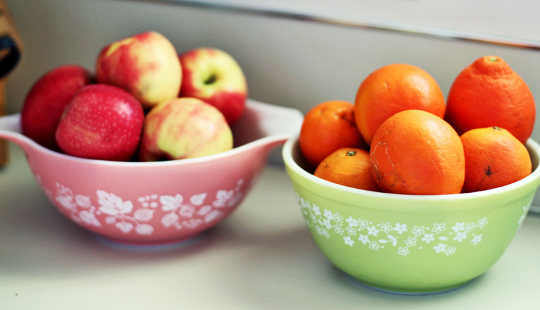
[[146, 102]]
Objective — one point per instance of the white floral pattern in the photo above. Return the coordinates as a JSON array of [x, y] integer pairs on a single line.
[[148, 212], [441, 238], [112, 204], [89, 218]]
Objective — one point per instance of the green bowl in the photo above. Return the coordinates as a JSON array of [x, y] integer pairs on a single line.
[[410, 243]]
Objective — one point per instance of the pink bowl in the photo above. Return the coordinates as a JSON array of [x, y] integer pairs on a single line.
[[157, 202]]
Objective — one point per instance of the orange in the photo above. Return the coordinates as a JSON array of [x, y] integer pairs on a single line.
[[326, 128], [489, 93], [394, 88], [493, 158], [416, 152], [349, 167]]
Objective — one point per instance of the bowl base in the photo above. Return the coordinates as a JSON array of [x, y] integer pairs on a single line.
[[398, 291], [155, 246]]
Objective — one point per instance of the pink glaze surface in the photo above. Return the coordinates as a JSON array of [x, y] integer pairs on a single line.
[[157, 202]]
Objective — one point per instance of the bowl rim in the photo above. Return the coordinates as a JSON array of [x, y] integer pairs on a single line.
[[532, 147], [250, 103], [173, 162]]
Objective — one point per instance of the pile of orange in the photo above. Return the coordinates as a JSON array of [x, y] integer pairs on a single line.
[[401, 137]]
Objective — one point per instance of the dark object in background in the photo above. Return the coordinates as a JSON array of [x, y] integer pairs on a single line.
[[10, 54]]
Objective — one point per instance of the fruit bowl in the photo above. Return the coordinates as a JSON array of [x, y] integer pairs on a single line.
[[157, 202], [410, 243]]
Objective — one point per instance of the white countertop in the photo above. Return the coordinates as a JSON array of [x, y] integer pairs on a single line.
[[262, 257]]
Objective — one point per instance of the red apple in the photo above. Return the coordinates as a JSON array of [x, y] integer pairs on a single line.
[[215, 77], [184, 128], [146, 65], [101, 122], [44, 104]]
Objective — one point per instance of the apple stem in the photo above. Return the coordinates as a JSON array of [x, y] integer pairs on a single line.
[[211, 79]]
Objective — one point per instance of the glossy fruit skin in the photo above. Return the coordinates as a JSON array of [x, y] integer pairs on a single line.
[[493, 158], [416, 152], [349, 167], [184, 128], [47, 99], [101, 122], [394, 88], [215, 77], [326, 128], [146, 65], [489, 93]]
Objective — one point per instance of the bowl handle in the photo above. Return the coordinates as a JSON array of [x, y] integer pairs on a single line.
[[277, 120], [266, 121], [268, 126], [10, 129]]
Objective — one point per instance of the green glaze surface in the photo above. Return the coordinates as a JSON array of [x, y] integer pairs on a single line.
[[410, 243]]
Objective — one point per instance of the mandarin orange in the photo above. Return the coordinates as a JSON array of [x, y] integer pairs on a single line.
[[394, 88], [416, 152], [347, 166], [489, 93], [493, 158], [326, 128]]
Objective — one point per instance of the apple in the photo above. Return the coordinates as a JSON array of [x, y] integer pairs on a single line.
[[215, 77], [46, 100], [184, 128], [101, 122], [146, 65]]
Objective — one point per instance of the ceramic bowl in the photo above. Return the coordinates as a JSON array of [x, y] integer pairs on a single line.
[[157, 202], [410, 243]]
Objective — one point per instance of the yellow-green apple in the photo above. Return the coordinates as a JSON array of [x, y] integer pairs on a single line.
[[46, 100], [146, 65], [101, 122], [184, 128], [213, 76]]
